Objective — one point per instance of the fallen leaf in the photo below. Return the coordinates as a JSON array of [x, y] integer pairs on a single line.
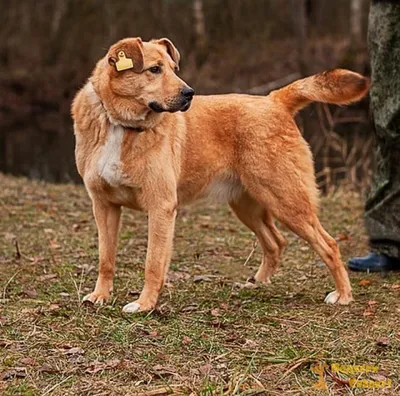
[[186, 340], [154, 333], [205, 369], [201, 278], [190, 308], [28, 311], [4, 376], [4, 343], [396, 286], [47, 277], [216, 312], [338, 380], [74, 351], [85, 269], [383, 341], [30, 292], [76, 359], [342, 237], [164, 370], [250, 344], [112, 363], [8, 236], [157, 392], [368, 312], [54, 244], [95, 367], [364, 282], [370, 309], [65, 346], [48, 369], [377, 377], [16, 372], [178, 275], [218, 323], [28, 361], [246, 285]]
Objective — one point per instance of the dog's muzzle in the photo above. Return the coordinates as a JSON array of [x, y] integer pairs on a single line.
[[180, 103], [187, 94]]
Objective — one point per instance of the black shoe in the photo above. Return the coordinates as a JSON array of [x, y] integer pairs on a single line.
[[374, 262]]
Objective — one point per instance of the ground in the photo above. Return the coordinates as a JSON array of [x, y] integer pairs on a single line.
[[209, 334]]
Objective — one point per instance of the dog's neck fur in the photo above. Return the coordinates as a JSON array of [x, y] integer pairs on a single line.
[[122, 111]]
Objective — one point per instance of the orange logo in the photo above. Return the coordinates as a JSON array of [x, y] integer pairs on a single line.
[[319, 369]]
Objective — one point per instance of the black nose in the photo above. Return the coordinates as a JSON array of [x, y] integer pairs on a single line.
[[187, 92]]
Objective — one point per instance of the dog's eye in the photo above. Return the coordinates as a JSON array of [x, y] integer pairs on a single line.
[[155, 69]]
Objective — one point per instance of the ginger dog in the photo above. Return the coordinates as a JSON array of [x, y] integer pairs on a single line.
[[139, 145]]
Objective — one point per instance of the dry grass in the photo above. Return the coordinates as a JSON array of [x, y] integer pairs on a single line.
[[343, 155], [208, 336]]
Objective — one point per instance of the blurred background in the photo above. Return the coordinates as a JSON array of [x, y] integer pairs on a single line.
[[48, 49]]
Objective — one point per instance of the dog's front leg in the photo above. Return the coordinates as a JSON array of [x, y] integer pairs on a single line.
[[107, 218], [161, 232]]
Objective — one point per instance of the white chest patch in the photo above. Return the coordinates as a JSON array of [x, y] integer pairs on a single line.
[[225, 188], [109, 163]]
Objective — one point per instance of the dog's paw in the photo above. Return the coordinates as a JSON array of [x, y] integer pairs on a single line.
[[131, 307], [96, 298], [334, 297], [137, 307], [265, 280], [251, 283]]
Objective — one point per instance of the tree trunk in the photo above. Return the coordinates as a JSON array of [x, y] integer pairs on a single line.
[[200, 32], [299, 10], [356, 33], [300, 17], [356, 23]]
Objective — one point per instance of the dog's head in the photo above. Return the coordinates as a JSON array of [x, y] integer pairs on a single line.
[[144, 74]]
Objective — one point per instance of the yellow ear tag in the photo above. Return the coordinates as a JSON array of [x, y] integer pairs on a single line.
[[123, 63]]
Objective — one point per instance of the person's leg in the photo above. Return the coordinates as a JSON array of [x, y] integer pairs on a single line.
[[382, 211]]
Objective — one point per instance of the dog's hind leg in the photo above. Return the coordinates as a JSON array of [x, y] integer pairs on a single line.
[[107, 218], [279, 175], [260, 221], [312, 231], [293, 205]]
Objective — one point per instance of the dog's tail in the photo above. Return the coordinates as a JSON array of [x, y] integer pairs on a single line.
[[338, 86]]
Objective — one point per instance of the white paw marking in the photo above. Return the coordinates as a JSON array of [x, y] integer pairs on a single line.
[[131, 307], [332, 297]]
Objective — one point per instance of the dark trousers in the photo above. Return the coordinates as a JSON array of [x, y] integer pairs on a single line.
[[382, 215]]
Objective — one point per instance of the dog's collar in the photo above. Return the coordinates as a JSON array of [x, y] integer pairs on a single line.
[[109, 118]]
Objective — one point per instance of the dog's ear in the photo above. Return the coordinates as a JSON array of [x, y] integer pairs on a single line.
[[127, 54], [171, 49]]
